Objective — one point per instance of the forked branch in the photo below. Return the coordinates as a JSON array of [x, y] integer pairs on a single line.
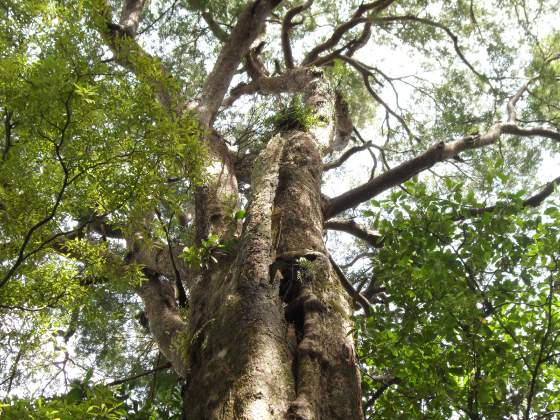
[[357, 18], [250, 24]]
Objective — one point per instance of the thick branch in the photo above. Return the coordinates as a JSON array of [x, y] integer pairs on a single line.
[[130, 55], [343, 124], [250, 24], [130, 16], [512, 115], [166, 325], [291, 81], [351, 227], [286, 27], [361, 41], [437, 153]]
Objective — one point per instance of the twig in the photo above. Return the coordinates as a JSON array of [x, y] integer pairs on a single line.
[[139, 375]]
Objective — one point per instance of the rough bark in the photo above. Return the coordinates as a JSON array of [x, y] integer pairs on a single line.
[[166, 325], [268, 326]]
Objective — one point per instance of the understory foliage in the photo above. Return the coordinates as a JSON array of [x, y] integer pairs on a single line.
[[464, 319]]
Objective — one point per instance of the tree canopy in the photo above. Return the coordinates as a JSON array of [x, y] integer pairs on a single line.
[[448, 190]]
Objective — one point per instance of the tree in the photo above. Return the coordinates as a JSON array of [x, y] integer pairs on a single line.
[[161, 229]]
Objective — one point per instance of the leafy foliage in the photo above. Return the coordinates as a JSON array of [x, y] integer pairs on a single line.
[[81, 139], [472, 323], [294, 116]]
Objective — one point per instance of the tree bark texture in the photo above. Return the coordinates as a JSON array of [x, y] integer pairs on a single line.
[[268, 334]]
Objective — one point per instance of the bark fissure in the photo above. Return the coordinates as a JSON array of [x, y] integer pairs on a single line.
[[315, 308]]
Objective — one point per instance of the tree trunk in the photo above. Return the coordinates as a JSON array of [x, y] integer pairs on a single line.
[[269, 323]]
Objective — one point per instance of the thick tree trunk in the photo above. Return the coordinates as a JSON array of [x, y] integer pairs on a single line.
[[269, 324]]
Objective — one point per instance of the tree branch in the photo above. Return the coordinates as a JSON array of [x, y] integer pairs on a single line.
[[130, 16], [291, 81], [345, 156], [437, 153], [533, 201], [355, 295], [8, 126], [355, 260], [357, 18], [454, 38], [166, 324], [350, 226], [361, 41], [128, 53], [250, 24], [366, 74], [286, 27], [512, 115], [380, 392], [145, 373], [22, 255], [533, 387]]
